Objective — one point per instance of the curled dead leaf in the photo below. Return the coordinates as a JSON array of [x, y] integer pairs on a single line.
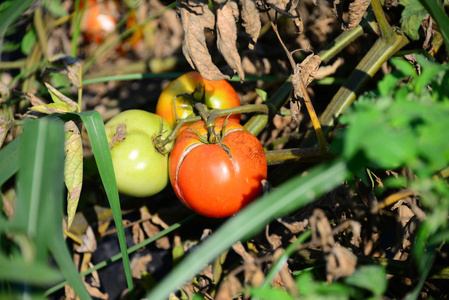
[[195, 17], [284, 7], [227, 16], [357, 9], [250, 20], [341, 262]]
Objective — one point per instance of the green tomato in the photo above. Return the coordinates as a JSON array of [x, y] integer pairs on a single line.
[[140, 170]]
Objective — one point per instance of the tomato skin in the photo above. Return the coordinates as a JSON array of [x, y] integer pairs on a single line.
[[140, 170], [215, 94], [99, 20], [217, 180]]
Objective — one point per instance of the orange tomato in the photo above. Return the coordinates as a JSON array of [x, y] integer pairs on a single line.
[[100, 18], [173, 104], [217, 179]]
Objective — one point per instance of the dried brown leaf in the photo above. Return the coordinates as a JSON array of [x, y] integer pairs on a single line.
[[341, 262], [227, 16], [229, 288], [303, 75], [253, 273], [308, 68], [195, 17], [357, 9], [284, 7], [138, 234], [89, 242], [325, 71], [321, 230], [139, 265], [250, 20], [4, 127], [95, 292]]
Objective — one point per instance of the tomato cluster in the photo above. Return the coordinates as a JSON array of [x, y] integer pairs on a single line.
[[214, 169], [178, 98]]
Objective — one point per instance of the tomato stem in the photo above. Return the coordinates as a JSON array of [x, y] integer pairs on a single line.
[[276, 157]]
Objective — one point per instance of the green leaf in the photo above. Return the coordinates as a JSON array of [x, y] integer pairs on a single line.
[[11, 13], [40, 179], [269, 293], [18, 270], [40, 189], [406, 68], [292, 195], [56, 8], [372, 278], [100, 146], [9, 160], [263, 95], [28, 41], [411, 17]]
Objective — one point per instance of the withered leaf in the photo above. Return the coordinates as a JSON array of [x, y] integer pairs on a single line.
[[227, 36], [65, 63], [341, 262], [321, 230], [4, 92], [357, 9], [4, 127], [251, 20], [195, 17], [284, 7], [230, 287], [60, 98], [308, 68], [89, 242], [73, 170]]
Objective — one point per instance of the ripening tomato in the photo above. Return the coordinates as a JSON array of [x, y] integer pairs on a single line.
[[100, 18], [140, 169], [217, 179], [214, 94]]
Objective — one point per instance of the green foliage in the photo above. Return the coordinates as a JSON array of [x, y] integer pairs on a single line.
[[365, 279], [28, 41], [411, 17], [403, 125]]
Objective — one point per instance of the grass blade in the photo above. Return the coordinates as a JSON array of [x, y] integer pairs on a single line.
[[292, 195], [11, 13], [9, 160], [97, 135], [17, 270], [40, 180], [40, 190]]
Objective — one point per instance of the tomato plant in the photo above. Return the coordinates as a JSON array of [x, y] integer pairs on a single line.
[[140, 169], [183, 92], [99, 19], [217, 178]]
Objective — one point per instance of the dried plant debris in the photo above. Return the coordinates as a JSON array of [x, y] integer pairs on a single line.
[[227, 15], [303, 75], [250, 20], [196, 17], [356, 10]]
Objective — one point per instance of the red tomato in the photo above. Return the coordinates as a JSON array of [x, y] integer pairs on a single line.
[[100, 18], [215, 94], [217, 180]]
